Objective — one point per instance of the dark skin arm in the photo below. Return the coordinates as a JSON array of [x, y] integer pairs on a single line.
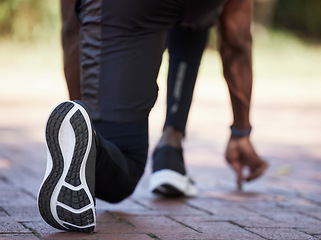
[[70, 45], [236, 54], [235, 48]]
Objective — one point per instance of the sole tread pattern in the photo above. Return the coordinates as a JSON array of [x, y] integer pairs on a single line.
[[72, 191], [74, 199], [52, 132], [81, 132], [79, 219], [75, 229]]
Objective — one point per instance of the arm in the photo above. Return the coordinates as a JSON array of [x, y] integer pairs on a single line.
[[236, 54], [70, 45]]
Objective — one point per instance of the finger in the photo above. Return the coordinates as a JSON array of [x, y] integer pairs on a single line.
[[237, 167], [257, 171], [256, 165]]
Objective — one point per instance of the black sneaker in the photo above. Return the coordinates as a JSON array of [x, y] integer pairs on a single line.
[[169, 177], [66, 197]]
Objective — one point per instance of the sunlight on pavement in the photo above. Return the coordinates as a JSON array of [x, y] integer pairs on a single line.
[[4, 163]]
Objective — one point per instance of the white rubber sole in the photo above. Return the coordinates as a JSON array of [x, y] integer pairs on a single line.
[[64, 199], [165, 181]]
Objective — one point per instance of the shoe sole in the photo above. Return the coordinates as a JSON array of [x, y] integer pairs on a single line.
[[172, 184], [64, 200]]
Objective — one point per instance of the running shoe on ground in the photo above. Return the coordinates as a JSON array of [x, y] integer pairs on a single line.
[[169, 177], [66, 197]]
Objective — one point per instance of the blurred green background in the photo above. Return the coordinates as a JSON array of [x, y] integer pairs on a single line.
[[33, 19], [28, 20], [286, 33]]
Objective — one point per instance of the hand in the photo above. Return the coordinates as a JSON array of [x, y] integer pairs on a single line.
[[239, 154]]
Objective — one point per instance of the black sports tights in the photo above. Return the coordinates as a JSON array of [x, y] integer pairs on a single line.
[[121, 157], [185, 48], [122, 147]]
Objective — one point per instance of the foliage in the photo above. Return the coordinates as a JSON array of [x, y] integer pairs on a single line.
[[28, 19], [302, 16], [34, 19]]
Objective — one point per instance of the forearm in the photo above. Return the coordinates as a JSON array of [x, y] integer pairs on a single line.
[[237, 66], [236, 54]]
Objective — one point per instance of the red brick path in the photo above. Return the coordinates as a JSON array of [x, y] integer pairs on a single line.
[[284, 204]]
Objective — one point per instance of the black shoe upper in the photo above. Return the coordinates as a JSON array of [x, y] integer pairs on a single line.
[[168, 157]]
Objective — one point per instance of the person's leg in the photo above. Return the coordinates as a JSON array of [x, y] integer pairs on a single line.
[[121, 158], [186, 43], [120, 59], [121, 51], [130, 49], [185, 48]]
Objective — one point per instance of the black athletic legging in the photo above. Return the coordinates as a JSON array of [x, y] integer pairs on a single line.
[[185, 48], [121, 157], [122, 43], [128, 142]]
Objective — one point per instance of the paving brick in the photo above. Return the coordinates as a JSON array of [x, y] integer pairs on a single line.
[[312, 229], [217, 229], [156, 224], [105, 216], [172, 235], [283, 204], [299, 204], [45, 231], [3, 213], [292, 218], [123, 236], [231, 211], [41, 228], [18, 237], [115, 227], [281, 233], [246, 220], [10, 226], [128, 206], [315, 197], [15, 197], [261, 222], [163, 206], [71, 235], [23, 213]]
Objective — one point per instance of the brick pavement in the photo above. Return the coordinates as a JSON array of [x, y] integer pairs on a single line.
[[284, 204]]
